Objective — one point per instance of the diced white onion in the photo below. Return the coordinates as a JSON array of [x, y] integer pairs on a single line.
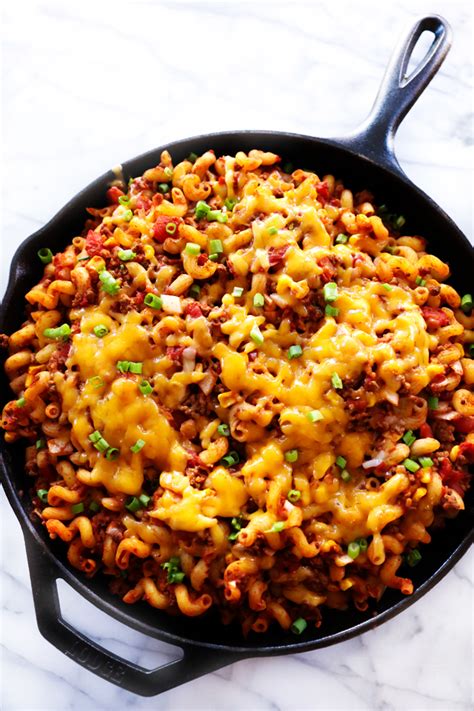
[[207, 383], [171, 304], [375, 462], [189, 360]]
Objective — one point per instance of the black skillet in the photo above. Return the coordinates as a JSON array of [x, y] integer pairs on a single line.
[[364, 160]]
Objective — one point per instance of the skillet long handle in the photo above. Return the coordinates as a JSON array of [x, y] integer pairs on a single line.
[[194, 663], [398, 92]]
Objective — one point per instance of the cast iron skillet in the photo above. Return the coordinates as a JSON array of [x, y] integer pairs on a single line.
[[364, 160]]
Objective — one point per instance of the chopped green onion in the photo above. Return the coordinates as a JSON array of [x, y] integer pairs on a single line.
[[341, 462], [331, 311], [419, 281], [95, 436], [133, 504], [426, 461], [101, 330], [46, 255], [299, 625], [21, 402], [399, 222], [192, 157], [40, 444], [195, 291], [294, 351], [201, 210], [236, 524], [112, 453], [277, 527], [391, 249], [353, 549], [126, 255], [77, 508], [363, 544], [94, 506], [109, 284], [256, 336], [345, 476], [471, 350], [144, 499], [433, 402], [124, 199], [230, 459], [145, 387], [217, 215], [168, 171], [96, 381], [230, 203], [330, 291], [153, 301], [237, 291], [409, 437], [42, 495], [127, 215], [139, 444], [387, 287], [291, 455], [336, 381], [413, 557], [411, 465], [192, 248], [163, 187], [223, 430], [341, 239], [216, 246], [129, 366], [171, 228], [466, 303], [102, 445], [214, 257], [258, 300], [63, 331], [314, 416], [272, 230], [293, 496], [175, 575]]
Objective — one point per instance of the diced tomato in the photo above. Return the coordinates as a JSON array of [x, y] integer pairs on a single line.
[[276, 255], [453, 478], [143, 203], [175, 353], [159, 231], [329, 270], [221, 180], [466, 449], [435, 318], [323, 190], [425, 430], [464, 424], [193, 310], [202, 259], [94, 243], [113, 195]]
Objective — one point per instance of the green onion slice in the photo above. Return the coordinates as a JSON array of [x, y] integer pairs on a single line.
[[45, 255]]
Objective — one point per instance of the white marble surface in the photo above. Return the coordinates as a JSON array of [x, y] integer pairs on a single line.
[[71, 72]]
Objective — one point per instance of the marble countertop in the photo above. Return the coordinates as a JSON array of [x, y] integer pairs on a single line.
[[71, 75]]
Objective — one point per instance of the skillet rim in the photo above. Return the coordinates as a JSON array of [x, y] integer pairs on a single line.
[[80, 583]]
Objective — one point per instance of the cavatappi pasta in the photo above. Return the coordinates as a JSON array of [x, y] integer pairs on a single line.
[[244, 387]]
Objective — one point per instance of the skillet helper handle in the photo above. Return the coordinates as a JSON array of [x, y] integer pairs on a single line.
[[399, 91], [194, 663]]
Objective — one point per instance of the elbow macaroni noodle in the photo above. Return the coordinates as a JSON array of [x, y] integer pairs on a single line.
[[259, 397]]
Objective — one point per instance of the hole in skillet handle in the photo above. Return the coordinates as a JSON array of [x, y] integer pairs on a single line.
[[401, 86], [194, 662]]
